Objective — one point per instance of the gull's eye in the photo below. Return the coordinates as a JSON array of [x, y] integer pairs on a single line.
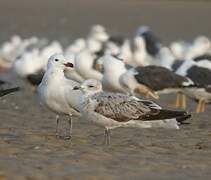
[[90, 86], [56, 60]]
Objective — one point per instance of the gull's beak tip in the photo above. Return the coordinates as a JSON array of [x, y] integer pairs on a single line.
[[76, 88], [69, 64]]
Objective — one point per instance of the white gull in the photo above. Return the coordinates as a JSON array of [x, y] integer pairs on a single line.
[[56, 91]]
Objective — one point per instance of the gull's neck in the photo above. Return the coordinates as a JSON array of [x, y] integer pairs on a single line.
[[87, 100], [90, 94], [53, 75]]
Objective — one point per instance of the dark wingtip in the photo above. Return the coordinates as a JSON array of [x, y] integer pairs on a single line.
[[181, 120], [8, 91], [16, 88]]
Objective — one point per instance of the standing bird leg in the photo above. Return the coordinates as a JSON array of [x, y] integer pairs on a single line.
[[70, 125], [178, 100], [203, 105], [181, 100], [198, 108], [183, 103], [107, 136], [68, 136], [57, 126]]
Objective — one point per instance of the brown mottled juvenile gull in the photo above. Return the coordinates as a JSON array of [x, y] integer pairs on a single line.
[[112, 110]]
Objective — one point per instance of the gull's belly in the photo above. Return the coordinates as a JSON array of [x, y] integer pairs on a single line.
[[56, 102], [100, 120], [58, 106]]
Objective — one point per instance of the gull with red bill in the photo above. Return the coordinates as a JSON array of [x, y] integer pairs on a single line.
[[56, 91]]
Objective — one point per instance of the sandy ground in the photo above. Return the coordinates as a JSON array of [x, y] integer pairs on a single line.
[[28, 147], [30, 150]]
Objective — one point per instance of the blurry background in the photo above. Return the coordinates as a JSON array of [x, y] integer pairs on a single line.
[[65, 20]]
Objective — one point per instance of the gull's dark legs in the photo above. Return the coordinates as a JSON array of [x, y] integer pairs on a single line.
[[70, 128], [57, 126], [107, 136], [68, 136], [108, 133]]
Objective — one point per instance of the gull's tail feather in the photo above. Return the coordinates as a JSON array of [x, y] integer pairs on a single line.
[[180, 116], [163, 114], [181, 119], [8, 91]]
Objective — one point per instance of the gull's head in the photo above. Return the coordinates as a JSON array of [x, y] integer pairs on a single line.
[[59, 61], [142, 29], [202, 42], [90, 86], [16, 40], [99, 33]]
